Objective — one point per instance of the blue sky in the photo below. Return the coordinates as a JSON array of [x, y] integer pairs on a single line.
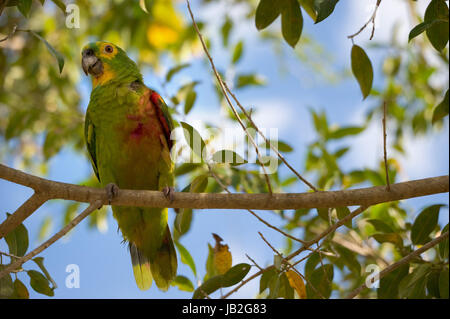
[[105, 267]]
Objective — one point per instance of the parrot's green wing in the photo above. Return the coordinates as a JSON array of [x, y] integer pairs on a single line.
[[89, 135]]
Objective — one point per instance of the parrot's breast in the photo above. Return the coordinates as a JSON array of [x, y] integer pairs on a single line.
[[132, 147]]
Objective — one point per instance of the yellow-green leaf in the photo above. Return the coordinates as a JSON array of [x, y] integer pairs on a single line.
[[362, 69]]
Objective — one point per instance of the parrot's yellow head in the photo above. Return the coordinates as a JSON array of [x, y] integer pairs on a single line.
[[106, 62]]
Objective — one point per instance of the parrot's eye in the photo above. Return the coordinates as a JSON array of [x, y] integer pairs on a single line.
[[109, 49]]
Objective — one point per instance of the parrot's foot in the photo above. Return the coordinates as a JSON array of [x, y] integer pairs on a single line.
[[169, 193], [112, 190]]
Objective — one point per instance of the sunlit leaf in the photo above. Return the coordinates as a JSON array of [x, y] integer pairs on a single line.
[[324, 9], [266, 13], [59, 57], [437, 33], [291, 22], [228, 157], [24, 7], [189, 102], [39, 283], [17, 240], [424, 224], [183, 283], [237, 52], [362, 69], [186, 257], [441, 110]]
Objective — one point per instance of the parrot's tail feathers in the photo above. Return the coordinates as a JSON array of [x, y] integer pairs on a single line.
[[164, 266], [141, 268]]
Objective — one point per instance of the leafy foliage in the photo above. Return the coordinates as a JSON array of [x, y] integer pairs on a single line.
[[42, 114]]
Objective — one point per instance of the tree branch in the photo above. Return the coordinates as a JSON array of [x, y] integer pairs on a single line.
[[144, 198], [22, 213]]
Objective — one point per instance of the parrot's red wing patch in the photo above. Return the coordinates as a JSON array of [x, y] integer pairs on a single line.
[[156, 100]]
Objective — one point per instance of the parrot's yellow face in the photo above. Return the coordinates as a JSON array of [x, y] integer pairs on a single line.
[[105, 61]]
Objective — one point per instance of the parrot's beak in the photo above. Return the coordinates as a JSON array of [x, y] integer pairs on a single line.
[[90, 63]]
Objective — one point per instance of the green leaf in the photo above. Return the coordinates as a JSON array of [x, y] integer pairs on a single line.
[[443, 284], [311, 264], [285, 291], [199, 184], [183, 221], [20, 291], [309, 7], [226, 30], [235, 274], [183, 283], [274, 286], [208, 287], [441, 110], [438, 33], [190, 100], [210, 268], [266, 278], [291, 22], [228, 157], [244, 80], [362, 69], [424, 224], [380, 225], [444, 245], [55, 53], [39, 283], [341, 213], [40, 262], [186, 257], [194, 140], [324, 213], [418, 29], [389, 283], [281, 146], [393, 238], [324, 9], [345, 131], [6, 285], [321, 279], [17, 240], [24, 7], [175, 70], [237, 52], [266, 13], [413, 285], [433, 283], [60, 5]]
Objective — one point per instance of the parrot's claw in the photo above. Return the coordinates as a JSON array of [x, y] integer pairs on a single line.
[[169, 193], [112, 190]]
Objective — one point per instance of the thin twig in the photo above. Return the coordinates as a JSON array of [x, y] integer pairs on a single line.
[[254, 262], [268, 142], [386, 167], [325, 233], [371, 20], [225, 188], [224, 91], [19, 262], [401, 262]]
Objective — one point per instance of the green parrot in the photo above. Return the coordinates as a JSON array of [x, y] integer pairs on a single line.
[[127, 131]]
